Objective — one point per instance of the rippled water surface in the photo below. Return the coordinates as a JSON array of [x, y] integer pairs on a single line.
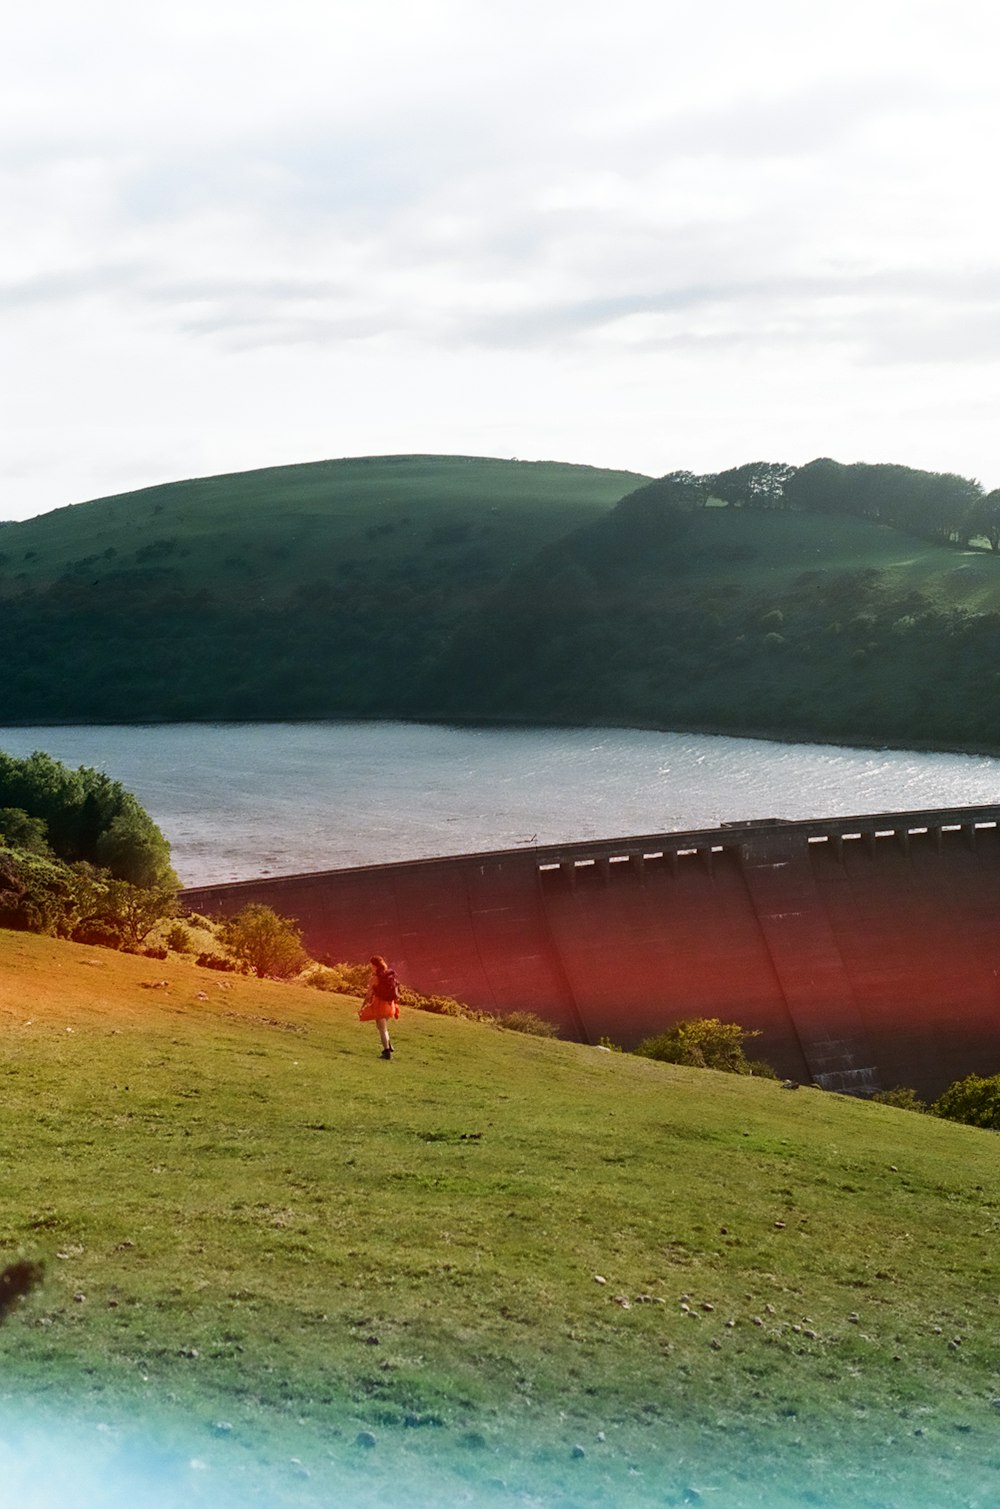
[[241, 800]]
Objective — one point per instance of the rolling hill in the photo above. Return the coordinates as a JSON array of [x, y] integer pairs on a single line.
[[466, 588]]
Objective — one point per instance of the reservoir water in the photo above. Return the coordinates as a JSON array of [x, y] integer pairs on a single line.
[[241, 800]]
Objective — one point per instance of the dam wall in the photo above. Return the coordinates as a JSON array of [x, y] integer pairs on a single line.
[[865, 950]]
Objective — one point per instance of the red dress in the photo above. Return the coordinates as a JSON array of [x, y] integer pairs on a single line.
[[376, 1008]]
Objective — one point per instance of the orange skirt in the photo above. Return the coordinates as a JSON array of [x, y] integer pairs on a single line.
[[378, 1011]]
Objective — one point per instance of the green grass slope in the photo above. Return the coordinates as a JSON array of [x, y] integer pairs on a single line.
[[495, 1271], [280, 527], [467, 588], [304, 591]]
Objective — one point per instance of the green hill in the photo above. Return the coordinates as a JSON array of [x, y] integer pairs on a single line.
[[296, 591], [464, 588], [531, 1272], [773, 623]]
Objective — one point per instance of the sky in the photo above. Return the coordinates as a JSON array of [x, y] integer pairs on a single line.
[[654, 234]]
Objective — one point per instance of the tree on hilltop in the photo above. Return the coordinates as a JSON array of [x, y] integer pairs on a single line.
[[755, 484]]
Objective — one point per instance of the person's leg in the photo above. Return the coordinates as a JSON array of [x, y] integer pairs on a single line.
[[383, 1032]]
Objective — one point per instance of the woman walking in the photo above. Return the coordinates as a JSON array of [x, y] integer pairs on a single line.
[[380, 1001]]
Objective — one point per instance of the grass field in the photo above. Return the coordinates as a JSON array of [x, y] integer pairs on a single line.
[[498, 1270], [285, 526]]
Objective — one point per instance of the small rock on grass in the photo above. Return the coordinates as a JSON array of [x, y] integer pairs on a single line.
[[577, 1452], [364, 1438]]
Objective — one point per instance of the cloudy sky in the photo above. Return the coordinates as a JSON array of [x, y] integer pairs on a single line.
[[649, 234]]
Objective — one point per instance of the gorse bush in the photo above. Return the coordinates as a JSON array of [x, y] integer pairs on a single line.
[[706, 1043], [41, 894]]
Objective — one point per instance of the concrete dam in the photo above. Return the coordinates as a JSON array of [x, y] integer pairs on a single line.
[[865, 949]]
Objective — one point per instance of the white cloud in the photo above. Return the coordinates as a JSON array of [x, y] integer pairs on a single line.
[[647, 235]]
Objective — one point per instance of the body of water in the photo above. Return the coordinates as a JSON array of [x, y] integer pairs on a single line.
[[241, 800]]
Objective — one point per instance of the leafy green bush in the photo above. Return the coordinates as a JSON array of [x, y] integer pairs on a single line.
[[87, 817], [974, 1100], [706, 1043], [902, 1097], [122, 915], [19, 831], [270, 945]]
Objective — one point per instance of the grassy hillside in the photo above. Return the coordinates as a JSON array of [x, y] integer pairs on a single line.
[[273, 530], [304, 591], [453, 587], [787, 624], [497, 1270]]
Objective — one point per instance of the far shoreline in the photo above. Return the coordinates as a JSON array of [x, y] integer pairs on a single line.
[[792, 736]]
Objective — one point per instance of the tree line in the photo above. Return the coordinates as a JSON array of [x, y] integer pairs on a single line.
[[940, 506]]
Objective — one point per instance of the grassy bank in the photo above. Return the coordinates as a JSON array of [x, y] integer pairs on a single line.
[[531, 1272]]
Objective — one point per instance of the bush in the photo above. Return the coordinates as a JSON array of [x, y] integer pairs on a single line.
[[19, 831], [42, 895], [219, 961], [974, 1100], [526, 1021], [178, 938], [706, 1043], [902, 1097], [87, 817], [122, 915], [342, 979], [270, 945], [436, 1005]]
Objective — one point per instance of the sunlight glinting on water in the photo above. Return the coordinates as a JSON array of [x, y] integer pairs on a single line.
[[242, 800]]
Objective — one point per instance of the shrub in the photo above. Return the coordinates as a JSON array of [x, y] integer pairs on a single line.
[[20, 831], [219, 961], [270, 945], [344, 979], [902, 1097], [39, 894], [89, 817], [974, 1100], [526, 1021], [122, 915], [178, 938], [437, 1005], [705, 1043], [326, 979]]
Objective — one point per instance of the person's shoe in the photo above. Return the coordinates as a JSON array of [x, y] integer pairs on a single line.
[[387, 1053]]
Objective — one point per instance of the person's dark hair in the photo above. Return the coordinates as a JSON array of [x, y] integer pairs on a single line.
[[379, 963]]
